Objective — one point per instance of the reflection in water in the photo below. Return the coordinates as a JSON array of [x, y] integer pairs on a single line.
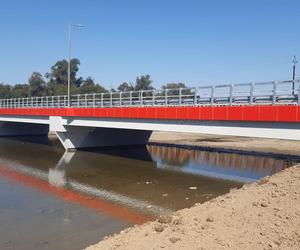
[[31, 219], [130, 184], [231, 166]]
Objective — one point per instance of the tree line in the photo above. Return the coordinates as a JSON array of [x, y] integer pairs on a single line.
[[55, 83]]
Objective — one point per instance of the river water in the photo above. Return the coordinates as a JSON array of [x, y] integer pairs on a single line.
[[51, 199]]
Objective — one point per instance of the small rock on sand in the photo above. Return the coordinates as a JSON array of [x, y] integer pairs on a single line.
[[177, 221], [263, 181], [174, 239], [264, 204], [210, 219], [159, 228], [165, 219]]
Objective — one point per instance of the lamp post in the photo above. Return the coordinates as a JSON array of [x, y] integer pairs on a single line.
[[69, 61]]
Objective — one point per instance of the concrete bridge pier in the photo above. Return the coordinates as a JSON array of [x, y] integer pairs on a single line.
[[76, 137], [22, 129], [87, 137]]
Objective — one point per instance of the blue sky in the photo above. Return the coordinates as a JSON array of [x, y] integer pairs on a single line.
[[195, 42]]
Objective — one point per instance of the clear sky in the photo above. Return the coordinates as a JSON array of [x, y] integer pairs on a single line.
[[191, 41]]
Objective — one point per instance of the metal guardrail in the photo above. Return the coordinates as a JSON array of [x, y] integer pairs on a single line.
[[273, 92]]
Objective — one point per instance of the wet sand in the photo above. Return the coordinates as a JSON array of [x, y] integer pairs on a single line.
[[261, 215]]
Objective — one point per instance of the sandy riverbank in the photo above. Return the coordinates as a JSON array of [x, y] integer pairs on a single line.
[[262, 215], [260, 145]]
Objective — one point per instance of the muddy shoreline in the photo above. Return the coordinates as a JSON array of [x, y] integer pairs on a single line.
[[261, 215]]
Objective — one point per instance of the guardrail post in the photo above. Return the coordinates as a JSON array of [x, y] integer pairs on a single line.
[[195, 97], [251, 92], [130, 98], [141, 99], [212, 95], [120, 98], [94, 101], [166, 97], [102, 100], [231, 94], [274, 92], [180, 90], [111, 101], [85, 100], [298, 91], [153, 97]]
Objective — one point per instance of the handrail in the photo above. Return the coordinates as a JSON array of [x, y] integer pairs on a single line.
[[272, 92]]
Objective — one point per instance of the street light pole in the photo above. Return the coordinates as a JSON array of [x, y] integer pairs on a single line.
[[69, 68], [69, 61]]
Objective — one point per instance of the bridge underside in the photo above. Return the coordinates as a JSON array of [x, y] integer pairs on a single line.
[[22, 129]]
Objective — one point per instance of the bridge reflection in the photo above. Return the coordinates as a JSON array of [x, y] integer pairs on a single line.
[[159, 181]]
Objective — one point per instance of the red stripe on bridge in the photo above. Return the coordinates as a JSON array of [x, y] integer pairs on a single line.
[[271, 113]]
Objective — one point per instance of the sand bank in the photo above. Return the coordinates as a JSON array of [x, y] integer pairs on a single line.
[[262, 215]]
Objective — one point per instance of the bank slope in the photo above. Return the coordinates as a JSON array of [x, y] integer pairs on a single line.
[[262, 215]]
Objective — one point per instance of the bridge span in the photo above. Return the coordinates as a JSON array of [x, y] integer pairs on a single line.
[[264, 109]]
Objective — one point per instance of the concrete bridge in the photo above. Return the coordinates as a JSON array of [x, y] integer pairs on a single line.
[[263, 109]]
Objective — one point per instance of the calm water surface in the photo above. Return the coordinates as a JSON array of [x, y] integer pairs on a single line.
[[51, 199]]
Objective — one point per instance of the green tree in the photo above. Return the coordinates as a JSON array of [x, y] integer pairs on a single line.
[[5, 91], [125, 87], [57, 89], [173, 88], [20, 91], [143, 83], [89, 86], [58, 77], [37, 84], [59, 73]]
